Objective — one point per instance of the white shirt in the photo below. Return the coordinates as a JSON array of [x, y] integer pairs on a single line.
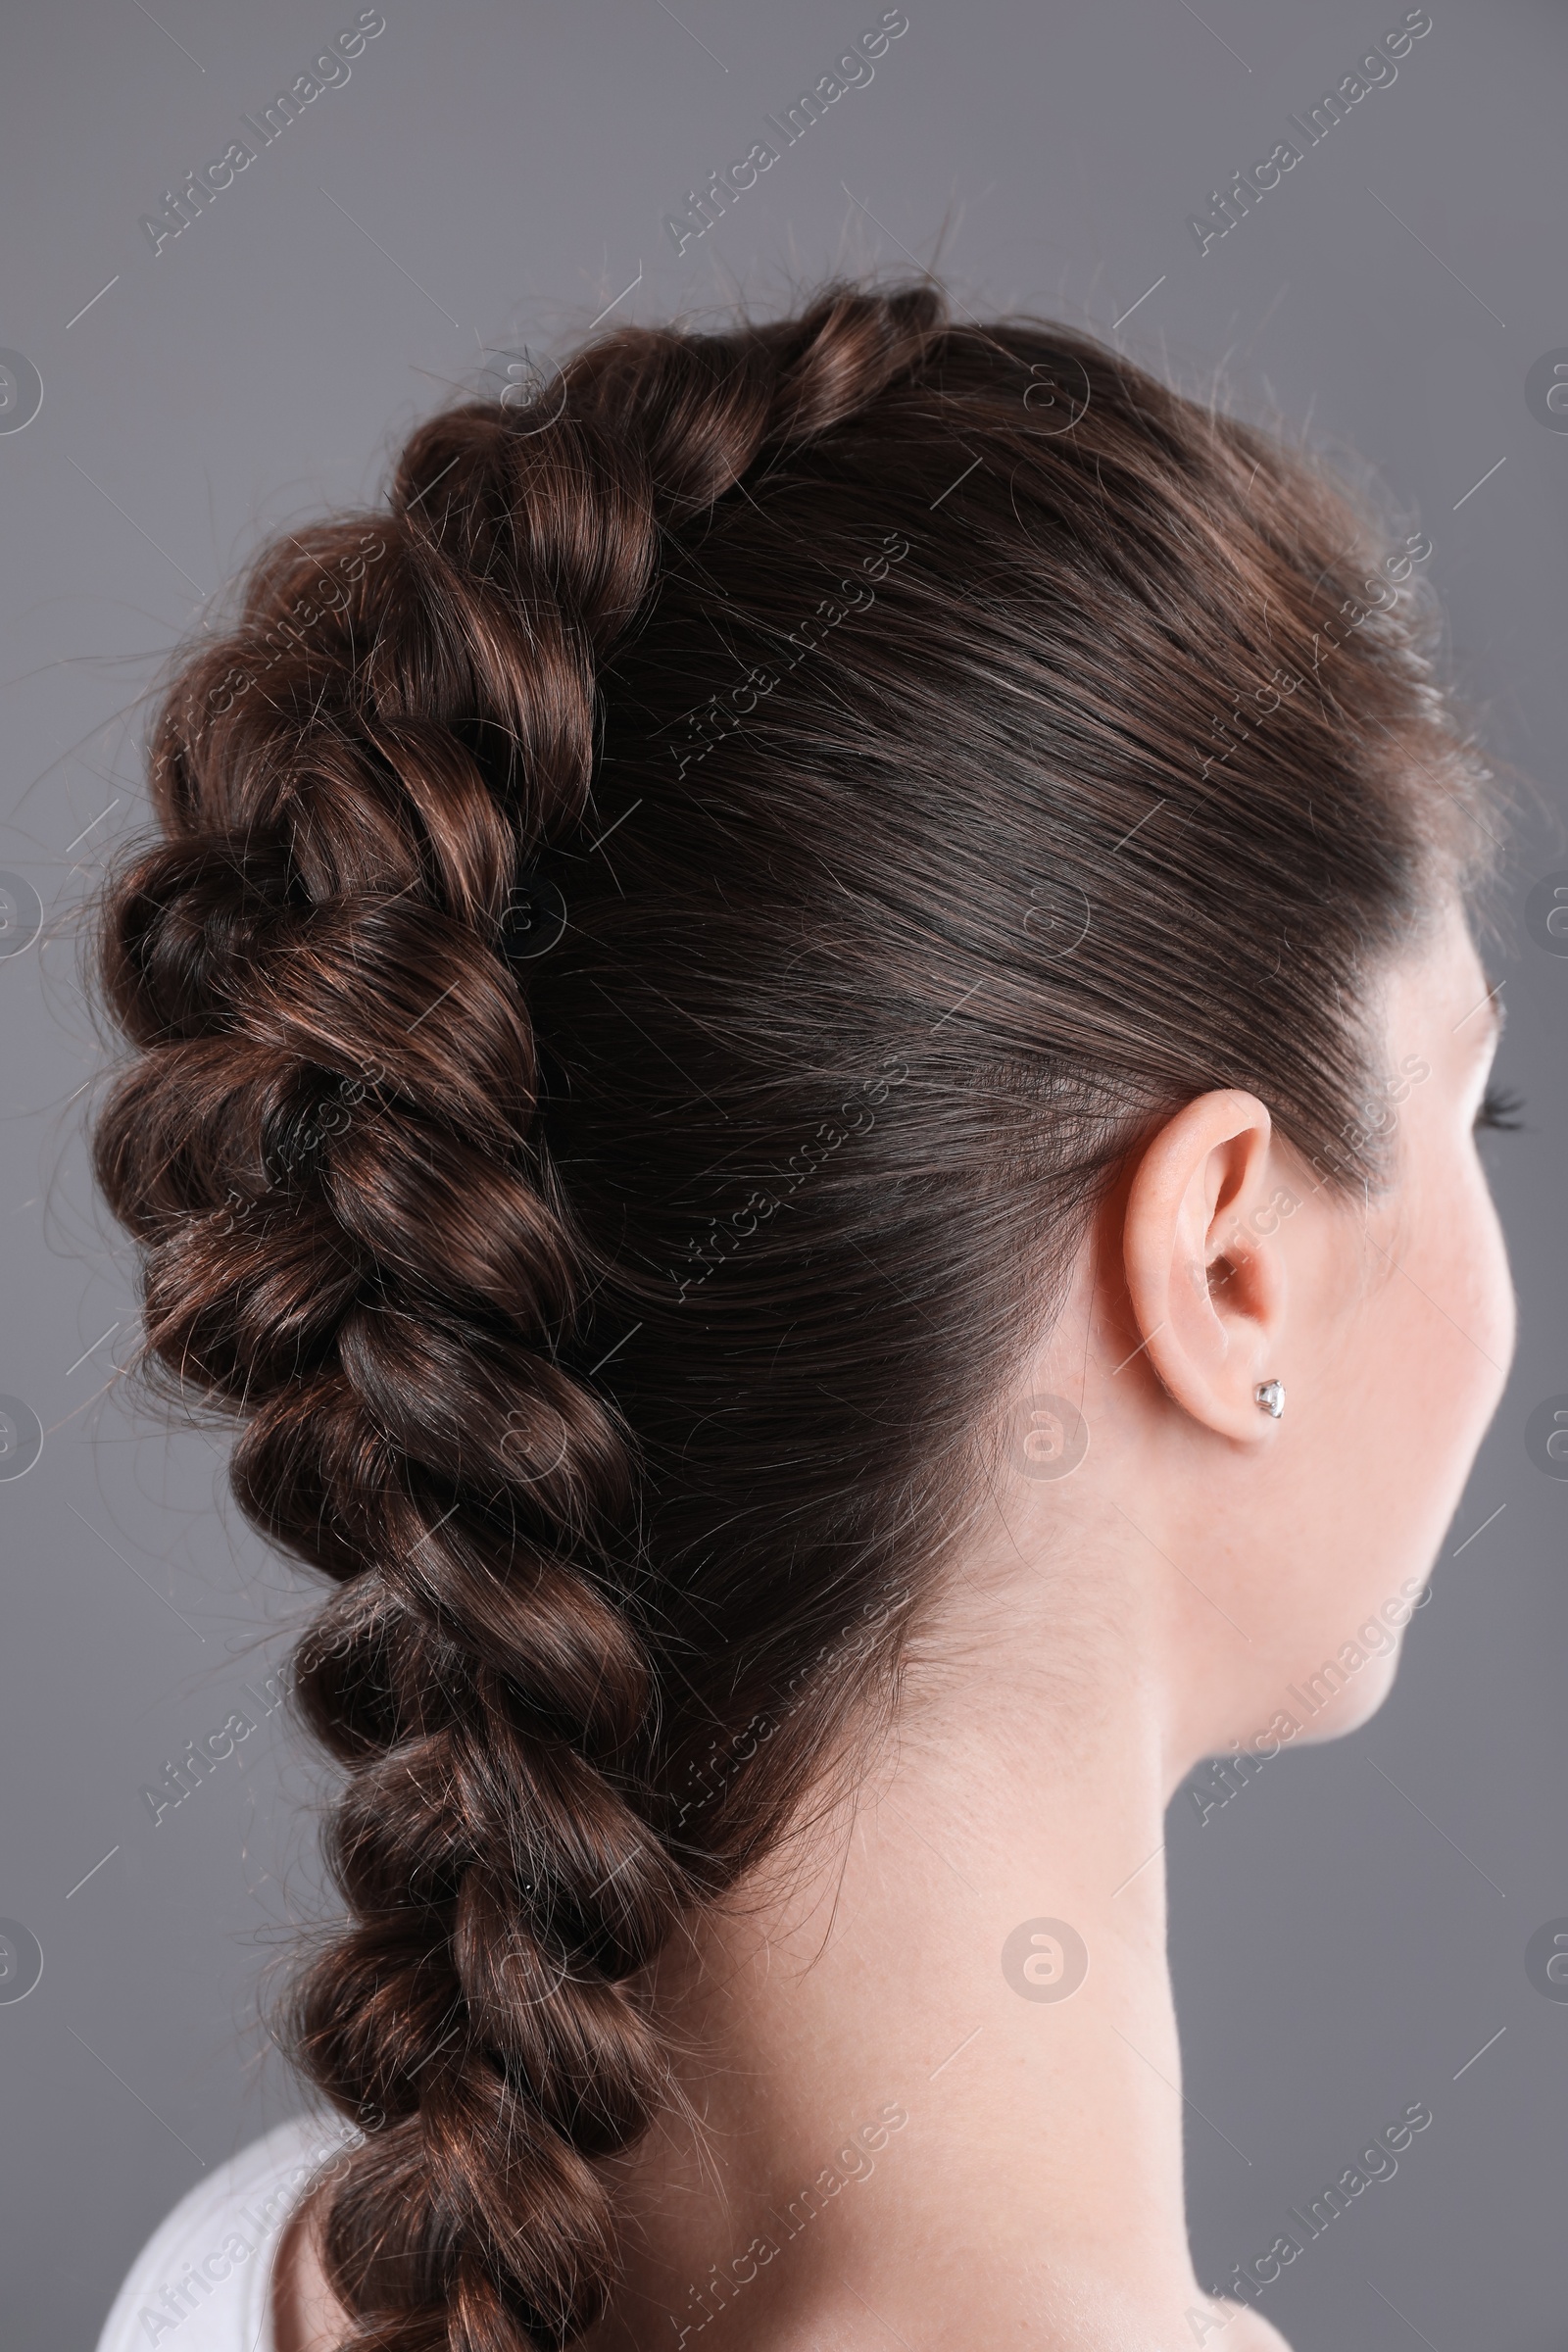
[[203, 2281]]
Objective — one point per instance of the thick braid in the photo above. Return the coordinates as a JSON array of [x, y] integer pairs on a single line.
[[355, 1241]]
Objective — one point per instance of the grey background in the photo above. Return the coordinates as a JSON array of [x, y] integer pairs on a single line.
[[1350, 1931]]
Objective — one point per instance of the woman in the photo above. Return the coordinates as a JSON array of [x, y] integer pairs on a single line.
[[807, 1053]]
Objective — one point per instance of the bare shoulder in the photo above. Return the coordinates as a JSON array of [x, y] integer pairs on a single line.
[[307, 2316], [1249, 2332], [1102, 2319]]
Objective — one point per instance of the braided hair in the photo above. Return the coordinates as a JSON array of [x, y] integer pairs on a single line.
[[607, 1037]]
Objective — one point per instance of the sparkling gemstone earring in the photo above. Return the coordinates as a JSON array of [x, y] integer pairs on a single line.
[[1269, 1397]]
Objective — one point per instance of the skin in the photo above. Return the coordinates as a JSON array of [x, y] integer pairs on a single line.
[[1099, 1636]]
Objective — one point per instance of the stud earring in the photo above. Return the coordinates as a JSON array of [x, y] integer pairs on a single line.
[[1269, 1397]]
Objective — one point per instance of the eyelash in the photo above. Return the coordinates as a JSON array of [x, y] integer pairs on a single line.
[[1499, 1111]]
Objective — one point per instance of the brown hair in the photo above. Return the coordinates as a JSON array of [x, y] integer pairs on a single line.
[[758, 833]]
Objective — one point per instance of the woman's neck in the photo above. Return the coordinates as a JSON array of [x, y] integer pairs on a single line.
[[926, 2086], [905, 2118]]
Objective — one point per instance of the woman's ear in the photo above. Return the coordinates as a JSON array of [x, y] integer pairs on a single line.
[[1205, 1278]]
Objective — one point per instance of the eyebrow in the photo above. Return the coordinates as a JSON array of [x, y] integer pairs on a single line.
[[1499, 1011]]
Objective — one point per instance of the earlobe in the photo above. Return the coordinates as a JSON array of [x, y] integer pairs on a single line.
[[1205, 1273]]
